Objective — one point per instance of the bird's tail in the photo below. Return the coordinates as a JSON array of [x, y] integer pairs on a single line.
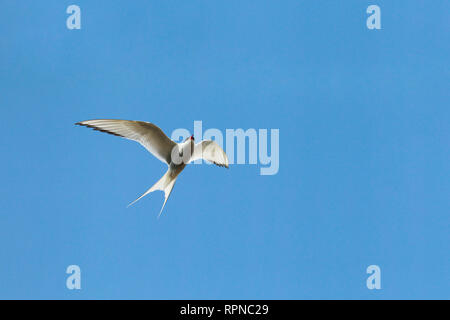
[[165, 184]]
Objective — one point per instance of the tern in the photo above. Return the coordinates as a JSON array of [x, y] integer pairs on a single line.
[[152, 138]]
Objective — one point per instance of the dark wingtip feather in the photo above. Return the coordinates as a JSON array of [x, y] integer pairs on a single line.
[[98, 129], [221, 165]]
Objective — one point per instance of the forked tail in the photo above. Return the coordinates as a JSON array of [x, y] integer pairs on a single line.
[[165, 184]]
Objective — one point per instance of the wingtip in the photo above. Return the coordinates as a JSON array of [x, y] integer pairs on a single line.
[[159, 215]]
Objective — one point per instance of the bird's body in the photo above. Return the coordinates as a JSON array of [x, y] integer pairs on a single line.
[[175, 155]]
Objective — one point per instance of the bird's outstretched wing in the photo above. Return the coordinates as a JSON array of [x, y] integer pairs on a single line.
[[210, 151], [147, 134]]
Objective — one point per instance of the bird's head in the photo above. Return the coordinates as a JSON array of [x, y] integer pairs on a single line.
[[191, 138]]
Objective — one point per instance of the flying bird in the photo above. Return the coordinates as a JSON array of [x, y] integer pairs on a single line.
[[152, 138]]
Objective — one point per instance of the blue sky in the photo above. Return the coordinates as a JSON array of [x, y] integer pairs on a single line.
[[364, 149]]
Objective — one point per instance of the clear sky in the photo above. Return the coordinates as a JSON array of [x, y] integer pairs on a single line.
[[364, 149]]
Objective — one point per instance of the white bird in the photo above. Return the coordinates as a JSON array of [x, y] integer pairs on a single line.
[[175, 155]]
